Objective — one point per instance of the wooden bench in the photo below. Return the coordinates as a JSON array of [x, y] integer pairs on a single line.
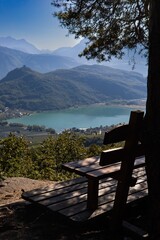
[[91, 169], [69, 198], [107, 183]]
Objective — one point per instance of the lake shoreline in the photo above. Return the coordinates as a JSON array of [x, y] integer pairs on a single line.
[[21, 114], [84, 117], [127, 104]]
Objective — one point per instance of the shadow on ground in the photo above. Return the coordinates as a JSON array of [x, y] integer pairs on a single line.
[[20, 221]]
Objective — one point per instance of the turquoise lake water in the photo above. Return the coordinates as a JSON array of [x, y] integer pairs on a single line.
[[82, 117]]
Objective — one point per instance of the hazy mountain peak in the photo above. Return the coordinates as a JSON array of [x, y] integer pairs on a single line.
[[18, 44], [19, 73], [125, 63], [11, 59]]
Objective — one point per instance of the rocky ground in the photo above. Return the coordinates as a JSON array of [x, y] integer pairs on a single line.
[[22, 221]]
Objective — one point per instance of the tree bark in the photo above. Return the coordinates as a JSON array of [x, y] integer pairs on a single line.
[[152, 121]]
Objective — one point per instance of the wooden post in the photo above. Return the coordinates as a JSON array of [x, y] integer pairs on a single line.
[[92, 200], [127, 165]]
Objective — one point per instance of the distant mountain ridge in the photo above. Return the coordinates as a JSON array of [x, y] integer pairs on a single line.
[[26, 89], [11, 59], [18, 44], [43, 64], [130, 61]]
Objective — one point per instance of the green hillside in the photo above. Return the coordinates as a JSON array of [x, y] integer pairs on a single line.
[[26, 89]]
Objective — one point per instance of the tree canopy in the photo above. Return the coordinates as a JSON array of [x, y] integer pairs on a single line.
[[110, 26]]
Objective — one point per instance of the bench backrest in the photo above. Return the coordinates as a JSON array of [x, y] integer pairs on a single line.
[[133, 148], [130, 134]]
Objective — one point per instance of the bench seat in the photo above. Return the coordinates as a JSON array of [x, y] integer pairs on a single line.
[[69, 198]]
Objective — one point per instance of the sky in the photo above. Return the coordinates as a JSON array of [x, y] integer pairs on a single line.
[[33, 21]]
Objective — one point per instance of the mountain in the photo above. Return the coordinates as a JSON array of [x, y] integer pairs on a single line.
[[16, 53], [11, 59], [26, 89], [18, 44], [131, 60], [73, 51]]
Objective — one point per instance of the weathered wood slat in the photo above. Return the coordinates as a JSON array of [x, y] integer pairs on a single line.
[[117, 134], [112, 169], [66, 203], [87, 162], [136, 231], [95, 170], [53, 187], [104, 171], [58, 192], [70, 200], [112, 156], [115, 155]]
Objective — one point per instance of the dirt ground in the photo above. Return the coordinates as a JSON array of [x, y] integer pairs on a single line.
[[22, 221]]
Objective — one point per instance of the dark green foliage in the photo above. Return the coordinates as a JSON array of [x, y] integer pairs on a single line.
[[109, 26], [15, 159], [35, 128], [94, 150], [68, 147], [93, 140], [18, 158], [44, 160]]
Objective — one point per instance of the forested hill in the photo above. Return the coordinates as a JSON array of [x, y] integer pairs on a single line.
[[26, 89]]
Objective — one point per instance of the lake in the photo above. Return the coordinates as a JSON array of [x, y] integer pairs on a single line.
[[81, 117]]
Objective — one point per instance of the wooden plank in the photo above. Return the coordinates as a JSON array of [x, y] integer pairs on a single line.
[[60, 192], [73, 204], [63, 197], [80, 212], [77, 197], [118, 154], [111, 156], [93, 170], [85, 162], [54, 187], [139, 170], [68, 200], [111, 170], [117, 134], [103, 207], [139, 162], [89, 214], [138, 232], [108, 171], [76, 209]]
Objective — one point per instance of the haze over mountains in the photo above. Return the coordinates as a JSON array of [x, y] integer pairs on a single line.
[[26, 89], [131, 60], [18, 44], [32, 80], [16, 53]]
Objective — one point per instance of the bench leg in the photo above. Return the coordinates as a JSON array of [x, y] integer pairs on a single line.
[[92, 197]]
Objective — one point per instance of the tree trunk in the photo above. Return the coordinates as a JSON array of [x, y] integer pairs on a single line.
[[152, 121]]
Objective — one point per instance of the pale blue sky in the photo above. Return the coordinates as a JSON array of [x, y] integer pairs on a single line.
[[33, 21]]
